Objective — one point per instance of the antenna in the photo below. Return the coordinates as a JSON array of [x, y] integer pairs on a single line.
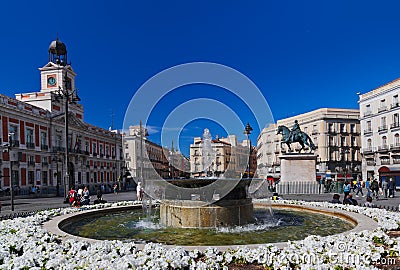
[[112, 119]]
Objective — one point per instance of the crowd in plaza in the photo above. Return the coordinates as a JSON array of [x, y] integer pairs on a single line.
[[373, 188]]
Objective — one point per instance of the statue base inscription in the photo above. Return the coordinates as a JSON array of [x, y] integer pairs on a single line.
[[298, 174]]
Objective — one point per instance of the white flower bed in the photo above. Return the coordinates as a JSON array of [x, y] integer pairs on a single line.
[[24, 244]]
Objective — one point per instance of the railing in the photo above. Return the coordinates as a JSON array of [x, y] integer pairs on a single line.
[[382, 108], [44, 147], [31, 163], [58, 149], [367, 131], [30, 145], [395, 147], [385, 161], [382, 128], [383, 148], [394, 105], [370, 163], [14, 143], [368, 150], [395, 125]]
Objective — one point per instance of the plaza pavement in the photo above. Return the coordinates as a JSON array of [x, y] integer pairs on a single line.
[[27, 204]]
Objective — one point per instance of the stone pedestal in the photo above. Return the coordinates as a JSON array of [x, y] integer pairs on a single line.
[[298, 174]]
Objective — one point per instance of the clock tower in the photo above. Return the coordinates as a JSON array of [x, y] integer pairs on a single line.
[[55, 76]]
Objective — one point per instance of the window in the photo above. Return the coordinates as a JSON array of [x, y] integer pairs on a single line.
[[353, 141], [382, 105], [395, 101], [369, 126], [58, 141], [395, 120], [368, 110], [29, 138], [13, 132], [43, 138], [94, 148], [31, 177], [384, 141], [342, 141], [342, 128], [44, 160], [353, 128], [396, 139], [330, 127], [369, 144], [44, 178]]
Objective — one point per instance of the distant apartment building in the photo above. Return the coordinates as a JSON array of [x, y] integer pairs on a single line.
[[148, 160], [335, 133], [35, 139], [380, 124], [229, 158]]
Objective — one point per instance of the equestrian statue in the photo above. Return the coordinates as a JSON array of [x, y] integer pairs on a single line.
[[295, 135]]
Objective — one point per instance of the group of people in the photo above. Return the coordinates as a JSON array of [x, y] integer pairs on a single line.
[[348, 199], [79, 197], [374, 189]]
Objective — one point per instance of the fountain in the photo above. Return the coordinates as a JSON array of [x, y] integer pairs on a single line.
[[204, 211]]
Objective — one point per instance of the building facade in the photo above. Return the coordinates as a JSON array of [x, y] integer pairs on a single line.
[[148, 160], [335, 133], [380, 124], [38, 135], [229, 158]]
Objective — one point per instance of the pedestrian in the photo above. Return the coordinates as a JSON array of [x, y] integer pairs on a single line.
[[391, 188], [346, 189], [139, 191], [349, 200], [375, 188], [336, 198], [99, 194], [369, 203], [359, 188], [72, 195], [367, 186], [115, 189], [85, 200], [385, 186]]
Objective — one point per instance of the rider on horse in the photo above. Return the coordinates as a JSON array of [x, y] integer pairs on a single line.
[[295, 131]]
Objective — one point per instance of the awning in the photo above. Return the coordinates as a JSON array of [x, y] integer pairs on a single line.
[[386, 169]]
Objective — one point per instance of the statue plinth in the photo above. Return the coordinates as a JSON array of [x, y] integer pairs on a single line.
[[298, 167], [298, 174]]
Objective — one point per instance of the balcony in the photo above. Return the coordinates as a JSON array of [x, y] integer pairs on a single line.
[[383, 148], [368, 113], [382, 108], [382, 128], [396, 161], [368, 150], [395, 147], [44, 147], [394, 105], [394, 125], [58, 149], [45, 163], [385, 161], [14, 143], [332, 132], [30, 145], [31, 163], [367, 131], [370, 163]]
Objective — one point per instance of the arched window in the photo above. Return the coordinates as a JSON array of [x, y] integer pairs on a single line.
[[384, 141]]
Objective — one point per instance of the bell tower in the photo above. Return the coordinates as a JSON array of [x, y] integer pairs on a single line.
[[57, 73]]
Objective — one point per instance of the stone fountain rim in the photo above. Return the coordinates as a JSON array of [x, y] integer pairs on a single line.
[[360, 221]]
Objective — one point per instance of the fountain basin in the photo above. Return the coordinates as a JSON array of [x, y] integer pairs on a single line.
[[194, 214]]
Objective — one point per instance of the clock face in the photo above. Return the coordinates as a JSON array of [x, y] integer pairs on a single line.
[[51, 81]]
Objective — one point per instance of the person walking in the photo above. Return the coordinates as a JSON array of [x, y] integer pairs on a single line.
[[391, 188], [115, 189], [385, 186], [139, 191], [367, 186], [359, 188], [375, 188], [346, 189]]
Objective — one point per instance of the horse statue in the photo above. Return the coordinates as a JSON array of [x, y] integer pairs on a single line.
[[299, 137]]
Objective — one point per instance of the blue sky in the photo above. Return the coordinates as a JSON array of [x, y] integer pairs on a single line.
[[302, 55]]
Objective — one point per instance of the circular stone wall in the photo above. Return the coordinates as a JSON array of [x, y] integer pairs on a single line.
[[193, 214]]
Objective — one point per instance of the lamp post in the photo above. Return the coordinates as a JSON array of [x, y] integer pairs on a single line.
[[57, 159], [69, 96], [247, 131]]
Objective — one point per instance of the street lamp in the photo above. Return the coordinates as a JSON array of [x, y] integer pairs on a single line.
[[247, 131], [69, 96], [57, 159]]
